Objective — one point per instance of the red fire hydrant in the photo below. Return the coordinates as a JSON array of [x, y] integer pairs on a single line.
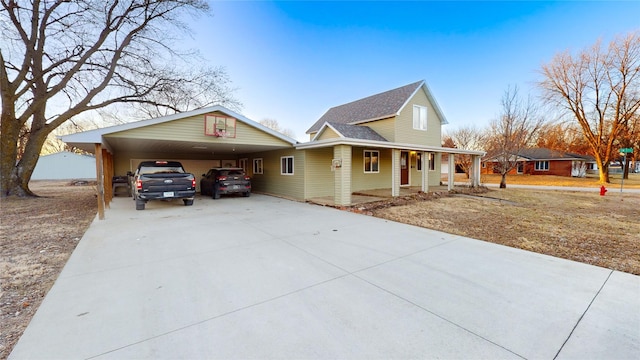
[[603, 190]]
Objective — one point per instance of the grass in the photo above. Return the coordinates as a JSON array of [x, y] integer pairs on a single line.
[[551, 180]]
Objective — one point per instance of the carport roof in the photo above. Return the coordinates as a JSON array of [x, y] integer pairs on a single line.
[[85, 140]]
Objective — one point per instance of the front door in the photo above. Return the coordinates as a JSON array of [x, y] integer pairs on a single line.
[[404, 168]]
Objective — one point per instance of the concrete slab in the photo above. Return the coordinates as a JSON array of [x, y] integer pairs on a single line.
[[263, 277], [610, 329]]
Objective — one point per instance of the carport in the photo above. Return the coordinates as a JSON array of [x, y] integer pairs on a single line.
[[204, 138]]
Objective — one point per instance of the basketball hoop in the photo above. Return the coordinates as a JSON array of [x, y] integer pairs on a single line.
[[220, 134]]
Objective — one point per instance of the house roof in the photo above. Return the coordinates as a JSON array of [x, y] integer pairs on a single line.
[[352, 131], [538, 154], [550, 154], [375, 107]]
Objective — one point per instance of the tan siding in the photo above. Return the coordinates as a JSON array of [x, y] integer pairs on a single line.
[[272, 182], [318, 175], [415, 176], [385, 127], [328, 133], [192, 129], [342, 175], [404, 132], [360, 180], [434, 175]]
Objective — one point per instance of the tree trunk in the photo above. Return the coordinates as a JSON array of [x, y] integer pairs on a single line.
[[625, 171], [16, 174], [603, 171], [503, 181]]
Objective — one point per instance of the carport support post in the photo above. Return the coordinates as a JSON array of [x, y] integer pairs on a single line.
[[342, 175], [424, 165], [452, 170], [100, 180]]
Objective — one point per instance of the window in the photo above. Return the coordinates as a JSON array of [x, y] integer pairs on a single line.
[[244, 164], [419, 161], [542, 166], [219, 126], [257, 166], [432, 161], [371, 158], [419, 117], [286, 165]]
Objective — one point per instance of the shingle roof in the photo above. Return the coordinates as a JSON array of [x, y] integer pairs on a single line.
[[549, 154], [357, 132], [374, 107]]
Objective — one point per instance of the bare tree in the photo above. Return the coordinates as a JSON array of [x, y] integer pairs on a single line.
[[565, 137], [274, 125], [469, 138], [600, 89], [514, 130], [62, 58]]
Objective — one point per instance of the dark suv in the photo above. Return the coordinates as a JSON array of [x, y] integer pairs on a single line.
[[221, 181]]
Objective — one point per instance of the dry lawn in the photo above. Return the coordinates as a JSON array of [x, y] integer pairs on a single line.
[[37, 237], [549, 180], [580, 226]]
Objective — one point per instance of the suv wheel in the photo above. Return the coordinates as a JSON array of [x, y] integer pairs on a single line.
[[188, 202], [216, 193], [246, 194]]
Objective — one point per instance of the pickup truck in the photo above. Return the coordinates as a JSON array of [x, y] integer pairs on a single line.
[[162, 180]]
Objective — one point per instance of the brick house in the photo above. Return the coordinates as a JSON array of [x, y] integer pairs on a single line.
[[543, 161]]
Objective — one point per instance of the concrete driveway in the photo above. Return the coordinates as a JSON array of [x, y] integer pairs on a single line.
[[263, 277]]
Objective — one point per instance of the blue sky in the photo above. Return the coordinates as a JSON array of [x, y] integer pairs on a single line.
[[292, 61]]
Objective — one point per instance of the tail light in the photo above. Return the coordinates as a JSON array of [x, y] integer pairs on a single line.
[[247, 178], [193, 183], [221, 178], [139, 184]]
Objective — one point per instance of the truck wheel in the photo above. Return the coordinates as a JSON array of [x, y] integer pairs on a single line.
[[216, 193], [188, 202], [140, 204], [246, 194]]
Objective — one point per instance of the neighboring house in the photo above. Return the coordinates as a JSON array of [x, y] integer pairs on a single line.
[[65, 165], [387, 140], [542, 161]]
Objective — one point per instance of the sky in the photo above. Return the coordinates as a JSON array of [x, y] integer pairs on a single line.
[[292, 61]]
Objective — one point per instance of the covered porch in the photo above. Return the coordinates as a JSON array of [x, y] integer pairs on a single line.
[[366, 171]]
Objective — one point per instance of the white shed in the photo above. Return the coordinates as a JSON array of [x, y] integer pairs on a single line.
[[65, 165]]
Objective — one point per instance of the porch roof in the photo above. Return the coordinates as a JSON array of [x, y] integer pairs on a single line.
[[383, 144]]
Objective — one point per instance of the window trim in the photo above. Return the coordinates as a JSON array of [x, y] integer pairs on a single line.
[[364, 161], [283, 170], [417, 122], [261, 167], [432, 161], [537, 166]]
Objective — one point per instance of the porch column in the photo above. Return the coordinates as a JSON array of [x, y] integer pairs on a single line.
[[475, 181], [424, 165], [99, 180], [452, 171], [342, 175], [395, 172]]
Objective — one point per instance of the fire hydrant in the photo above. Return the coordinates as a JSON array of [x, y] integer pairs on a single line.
[[603, 190]]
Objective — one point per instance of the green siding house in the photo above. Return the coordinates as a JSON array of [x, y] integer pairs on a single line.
[[384, 141]]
